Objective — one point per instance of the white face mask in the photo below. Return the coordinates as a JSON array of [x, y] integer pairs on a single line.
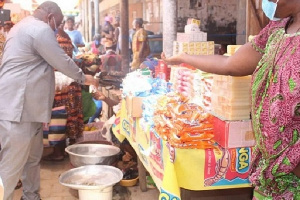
[[269, 9], [55, 27]]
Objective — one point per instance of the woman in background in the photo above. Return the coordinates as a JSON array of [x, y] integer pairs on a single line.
[[67, 116], [95, 46]]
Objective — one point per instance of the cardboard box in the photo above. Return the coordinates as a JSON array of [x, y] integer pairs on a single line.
[[192, 37], [234, 134], [134, 106]]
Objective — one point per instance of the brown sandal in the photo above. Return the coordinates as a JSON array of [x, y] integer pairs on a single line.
[[51, 157]]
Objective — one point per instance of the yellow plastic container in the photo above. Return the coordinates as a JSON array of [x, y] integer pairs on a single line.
[[129, 183]]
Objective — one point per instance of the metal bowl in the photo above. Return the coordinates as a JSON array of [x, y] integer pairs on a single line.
[[91, 177], [92, 154]]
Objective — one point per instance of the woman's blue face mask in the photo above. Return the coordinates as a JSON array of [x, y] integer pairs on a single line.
[[269, 9], [97, 42]]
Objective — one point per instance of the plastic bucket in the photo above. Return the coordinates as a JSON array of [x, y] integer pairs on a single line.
[[104, 194]]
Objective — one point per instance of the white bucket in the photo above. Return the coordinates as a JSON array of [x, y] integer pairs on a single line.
[[104, 194], [94, 182]]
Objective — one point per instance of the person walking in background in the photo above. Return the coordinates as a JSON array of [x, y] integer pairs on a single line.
[[27, 87], [108, 30], [140, 44], [131, 33], [75, 35], [118, 36], [272, 58]]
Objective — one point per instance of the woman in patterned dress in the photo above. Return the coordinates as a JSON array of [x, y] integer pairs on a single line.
[[69, 98], [273, 58], [140, 45]]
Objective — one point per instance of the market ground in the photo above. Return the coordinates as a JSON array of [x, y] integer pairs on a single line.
[[51, 189]]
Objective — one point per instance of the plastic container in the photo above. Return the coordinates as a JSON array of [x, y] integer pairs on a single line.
[[104, 194]]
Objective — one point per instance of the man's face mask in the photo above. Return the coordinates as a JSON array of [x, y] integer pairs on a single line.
[[55, 27], [269, 9]]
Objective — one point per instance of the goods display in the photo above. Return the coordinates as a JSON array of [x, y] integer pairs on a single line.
[[194, 48], [197, 124], [136, 87], [192, 37], [137, 84], [231, 49], [134, 106], [194, 21], [162, 71], [193, 41], [182, 124], [195, 84], [148, 108], [234, 134], [231, 97]]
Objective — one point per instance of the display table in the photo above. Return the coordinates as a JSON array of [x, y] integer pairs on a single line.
[[190, 169]]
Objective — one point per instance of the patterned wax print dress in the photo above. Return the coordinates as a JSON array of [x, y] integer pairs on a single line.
[[138, 38], [67, 115], [276, 114]]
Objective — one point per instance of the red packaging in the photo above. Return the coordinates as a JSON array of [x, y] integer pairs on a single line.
[[162, 71], [233, 134]]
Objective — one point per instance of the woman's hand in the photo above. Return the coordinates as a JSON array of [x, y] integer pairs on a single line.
[[173, 60]]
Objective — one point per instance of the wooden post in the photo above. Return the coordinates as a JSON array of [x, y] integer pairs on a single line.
[[142, 176], [241, 22], [169, 25], [256, 19], [125, 35]]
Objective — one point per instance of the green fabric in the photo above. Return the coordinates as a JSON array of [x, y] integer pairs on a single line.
[[258, 196], [89, 107]]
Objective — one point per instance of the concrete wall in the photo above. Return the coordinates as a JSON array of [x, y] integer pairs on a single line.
[[218, 18], [224, 20], [153, 12]]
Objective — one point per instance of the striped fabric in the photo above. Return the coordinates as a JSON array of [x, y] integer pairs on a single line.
[[55, 132]]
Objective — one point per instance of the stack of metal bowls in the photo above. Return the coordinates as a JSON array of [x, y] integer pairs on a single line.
[[92, 154]]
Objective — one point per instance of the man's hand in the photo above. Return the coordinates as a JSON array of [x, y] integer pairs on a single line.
[[90, 80]]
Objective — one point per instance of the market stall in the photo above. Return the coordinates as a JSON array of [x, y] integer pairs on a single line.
[[191, 130], [175, 168]]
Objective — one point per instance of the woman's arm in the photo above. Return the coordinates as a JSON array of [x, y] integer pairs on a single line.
[[242, 63], [296, 171]]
